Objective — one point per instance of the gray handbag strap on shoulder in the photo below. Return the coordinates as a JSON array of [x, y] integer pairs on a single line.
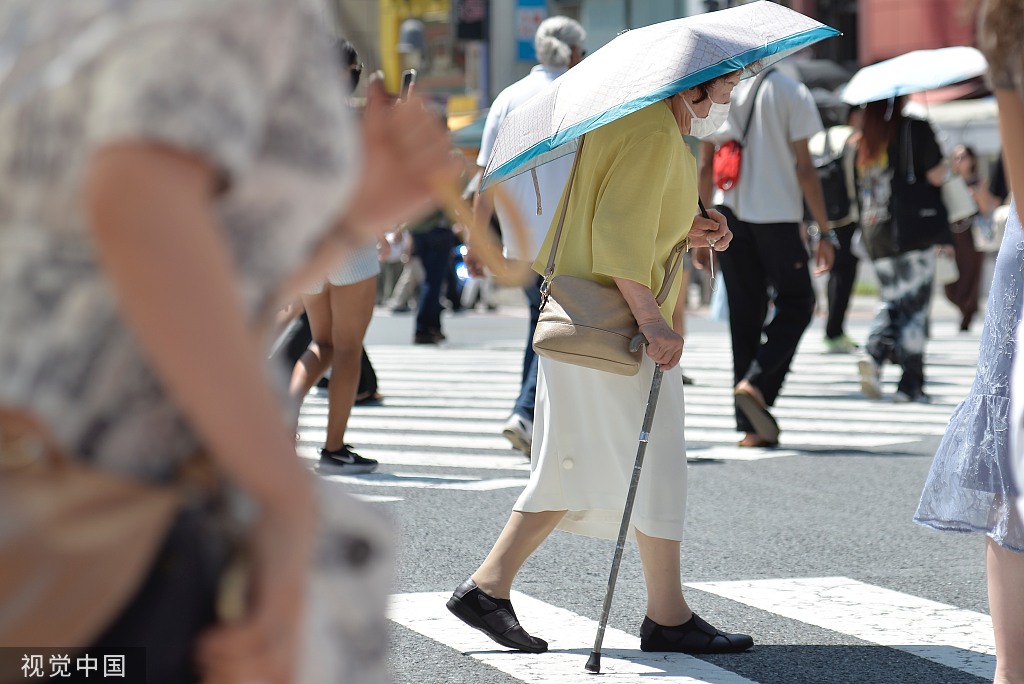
[[675, 258]]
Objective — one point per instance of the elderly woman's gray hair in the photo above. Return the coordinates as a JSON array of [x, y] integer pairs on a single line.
[[555, 39]]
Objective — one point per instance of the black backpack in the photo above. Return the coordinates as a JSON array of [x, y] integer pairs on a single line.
[[833, 183]]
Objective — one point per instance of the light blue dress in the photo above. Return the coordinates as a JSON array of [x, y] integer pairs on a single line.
[[970, 485]]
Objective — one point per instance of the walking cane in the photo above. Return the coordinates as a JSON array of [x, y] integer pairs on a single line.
[[594, 664]]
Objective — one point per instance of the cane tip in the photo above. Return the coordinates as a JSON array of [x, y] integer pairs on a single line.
[[594, 664]]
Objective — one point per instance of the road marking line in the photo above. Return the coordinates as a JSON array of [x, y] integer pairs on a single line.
[[424, 481], [944, 634], [371, 498], [570, 639], [433, 459]]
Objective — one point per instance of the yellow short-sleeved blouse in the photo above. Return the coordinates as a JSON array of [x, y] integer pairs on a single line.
[[633, 199]]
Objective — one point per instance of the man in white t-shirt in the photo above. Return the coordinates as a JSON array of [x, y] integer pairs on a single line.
[[764, 209], [559, 45]]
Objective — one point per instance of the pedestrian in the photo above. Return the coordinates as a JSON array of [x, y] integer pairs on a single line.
[[774, 115], [182, 175], [970, 486], [586, 420], [391, 253], [965, 290], [891, 148], [432, 243], [407, 288], [559, 46], [339, 308], [834, 143]]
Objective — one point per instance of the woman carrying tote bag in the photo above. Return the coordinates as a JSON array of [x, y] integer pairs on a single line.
[[900, 170], [632, 200]]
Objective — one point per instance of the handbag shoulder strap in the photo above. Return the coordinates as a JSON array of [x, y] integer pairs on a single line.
[[753, 105], [908, 160], [675, 260], [549, 269], [673, 263]]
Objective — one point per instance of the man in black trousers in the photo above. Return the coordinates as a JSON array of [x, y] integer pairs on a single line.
[[767, 261]]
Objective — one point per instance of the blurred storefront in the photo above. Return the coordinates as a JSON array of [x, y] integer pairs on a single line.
[[466, 51]]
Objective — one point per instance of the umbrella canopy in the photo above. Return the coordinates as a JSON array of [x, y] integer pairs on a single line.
[[640, 67], [913, 72]]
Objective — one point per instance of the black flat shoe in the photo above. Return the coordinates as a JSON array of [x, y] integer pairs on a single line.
[[694, 636], [494, 617]]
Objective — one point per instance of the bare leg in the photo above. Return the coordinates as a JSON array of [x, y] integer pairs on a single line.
[[1006, 604], [317, 357], [351, 311], [523, 534], [660, 559]]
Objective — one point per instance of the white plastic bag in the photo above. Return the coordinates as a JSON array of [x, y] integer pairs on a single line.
[[946, 271]]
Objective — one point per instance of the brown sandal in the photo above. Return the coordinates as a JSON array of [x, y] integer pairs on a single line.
[[756, 412], [754, 441]]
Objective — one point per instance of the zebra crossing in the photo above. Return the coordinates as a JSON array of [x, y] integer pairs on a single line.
[[946, 635], [439, 429], [445, 406]]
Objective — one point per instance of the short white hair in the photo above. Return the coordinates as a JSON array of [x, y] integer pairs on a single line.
[[555, 39]]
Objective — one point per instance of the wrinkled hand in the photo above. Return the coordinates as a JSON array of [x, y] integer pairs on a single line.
[[264, 646], [407, 150], [712, 231], [824, 256], [664, 345]]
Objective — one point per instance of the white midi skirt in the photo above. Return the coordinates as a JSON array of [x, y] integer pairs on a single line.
[[585, 435]]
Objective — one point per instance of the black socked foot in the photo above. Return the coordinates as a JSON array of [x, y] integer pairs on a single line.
[[694, 636], [494, 617]]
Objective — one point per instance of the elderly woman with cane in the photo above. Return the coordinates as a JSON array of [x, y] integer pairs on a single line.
[[631, 200]]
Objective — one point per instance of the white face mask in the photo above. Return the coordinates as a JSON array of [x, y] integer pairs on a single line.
[[703, 127]]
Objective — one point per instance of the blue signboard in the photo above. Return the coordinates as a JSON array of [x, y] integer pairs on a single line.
[[529, 14]]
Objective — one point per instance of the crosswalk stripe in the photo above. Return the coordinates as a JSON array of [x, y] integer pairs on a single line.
[[453, 424], [445, 407], [570, 639], [372, 498], [476, 460], [941, 633], [427, 481]]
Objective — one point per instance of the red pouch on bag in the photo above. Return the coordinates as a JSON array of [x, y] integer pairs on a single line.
[[728, 159], [726, 165]]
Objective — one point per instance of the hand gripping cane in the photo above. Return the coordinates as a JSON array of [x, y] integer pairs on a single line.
[[594, 664]]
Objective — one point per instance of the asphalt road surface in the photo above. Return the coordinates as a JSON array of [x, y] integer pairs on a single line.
[[810, 548]]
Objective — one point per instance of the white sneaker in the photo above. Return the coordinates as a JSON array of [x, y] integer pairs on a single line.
[[870, 378], [519, 431]]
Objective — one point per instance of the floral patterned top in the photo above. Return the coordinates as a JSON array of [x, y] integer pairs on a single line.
[[248, 85]]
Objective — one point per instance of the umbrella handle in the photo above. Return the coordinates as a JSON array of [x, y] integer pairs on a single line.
[[638, 341]]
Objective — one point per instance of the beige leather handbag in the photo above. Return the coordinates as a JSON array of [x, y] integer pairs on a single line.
[[588, 324]]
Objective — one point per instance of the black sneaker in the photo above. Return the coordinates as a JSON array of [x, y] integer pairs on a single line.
[[347, 461]]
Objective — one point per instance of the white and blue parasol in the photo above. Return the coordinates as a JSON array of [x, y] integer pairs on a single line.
[[914, 72], [640, 67]]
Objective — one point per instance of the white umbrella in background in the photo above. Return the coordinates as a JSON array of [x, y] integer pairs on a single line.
[[914, 72], [640, 67]]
